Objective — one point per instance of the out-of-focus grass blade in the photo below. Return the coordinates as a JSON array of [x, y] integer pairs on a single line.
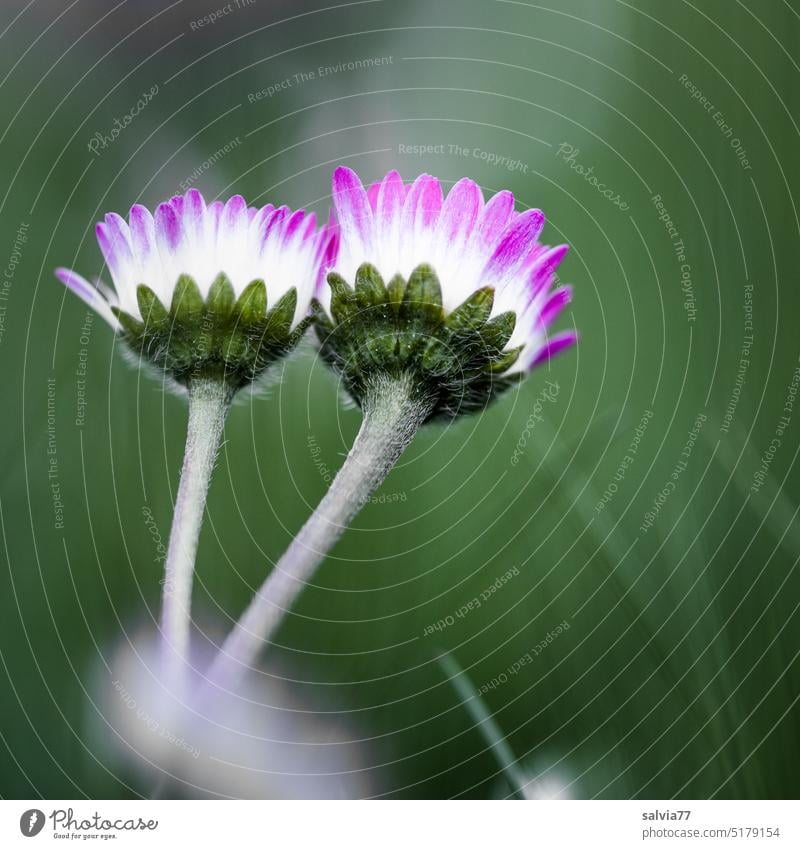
[[484, 723]]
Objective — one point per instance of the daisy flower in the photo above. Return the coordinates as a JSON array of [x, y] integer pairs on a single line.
[[433, 307], [210, 294], [199, 288], [454, 290]]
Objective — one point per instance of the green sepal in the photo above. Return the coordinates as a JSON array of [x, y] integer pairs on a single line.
[[344, 306], [437, 358], [322, 321], [497, 332], [187, 301], [370, 289], [221, 335], [473, 313], [503, 361], [221, 296], [279, 318], [131, 327], [297, 334], [251, 308], [395, 291], [423, 295], [373, 328], [150, 306]]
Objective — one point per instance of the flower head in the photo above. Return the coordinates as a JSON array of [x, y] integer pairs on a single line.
[[208, 286], [469, 299]]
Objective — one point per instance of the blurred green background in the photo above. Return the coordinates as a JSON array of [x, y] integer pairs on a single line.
[[678, 675]]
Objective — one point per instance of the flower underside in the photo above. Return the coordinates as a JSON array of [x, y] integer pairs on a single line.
[[221, 336], [456, 358]]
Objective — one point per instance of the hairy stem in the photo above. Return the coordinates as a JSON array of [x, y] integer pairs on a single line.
[[394, 409], [209, 400]]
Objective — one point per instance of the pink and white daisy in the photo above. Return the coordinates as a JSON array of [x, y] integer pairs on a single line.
[[186, 236], [469, 243], [433, 308], [211, 294]]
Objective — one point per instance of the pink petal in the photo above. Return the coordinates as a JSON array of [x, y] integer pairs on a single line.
[[214, 215], [372, 195], [273, 225], [422, 206], [113, 237], [143, 232], [79, 285], [389, 206], [309, 228], [553, 346], [540, 273], [325, 253], [554, 305], [352, 209], [328, 247], [459, 214], [259, 220], [516, 244], [495, 217], [87, 293], [168, 231], [234, 216], [293, 225], [194, 210]]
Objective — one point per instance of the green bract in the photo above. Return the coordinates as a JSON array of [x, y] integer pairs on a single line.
[[221, 336], [375, 329]]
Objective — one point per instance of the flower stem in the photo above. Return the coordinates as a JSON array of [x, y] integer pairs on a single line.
[[394, 409], [209, 400]]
